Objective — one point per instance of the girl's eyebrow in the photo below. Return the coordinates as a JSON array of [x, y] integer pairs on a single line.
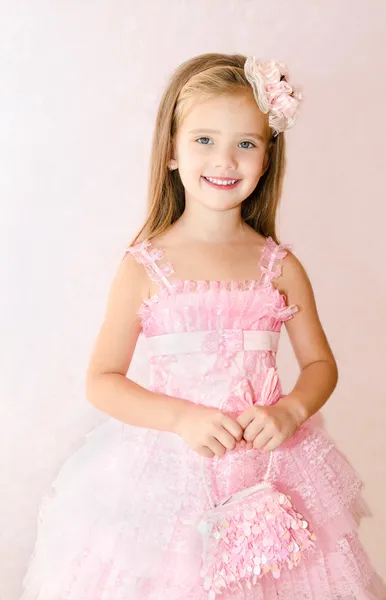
[[258, 136]]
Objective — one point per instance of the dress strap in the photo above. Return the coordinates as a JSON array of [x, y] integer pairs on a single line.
[[270, 261], [148, 255]]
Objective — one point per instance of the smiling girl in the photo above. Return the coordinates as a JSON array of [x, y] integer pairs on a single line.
[[210, 481]]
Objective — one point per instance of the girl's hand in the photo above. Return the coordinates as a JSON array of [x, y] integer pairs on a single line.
[[209, 431], [269, 426]]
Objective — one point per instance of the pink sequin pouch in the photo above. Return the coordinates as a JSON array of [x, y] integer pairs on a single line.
[[252, 533]]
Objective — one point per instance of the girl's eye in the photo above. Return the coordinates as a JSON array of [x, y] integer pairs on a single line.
[[206, 138], [245, 142], [203, 138]]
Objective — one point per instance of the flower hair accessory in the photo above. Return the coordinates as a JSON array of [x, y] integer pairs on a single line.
[[273, 92], [254, 532]]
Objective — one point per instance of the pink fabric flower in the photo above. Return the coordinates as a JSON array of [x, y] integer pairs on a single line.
[[271, 387], [273, 92]]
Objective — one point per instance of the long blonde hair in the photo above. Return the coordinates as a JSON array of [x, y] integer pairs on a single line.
[[205, 75]]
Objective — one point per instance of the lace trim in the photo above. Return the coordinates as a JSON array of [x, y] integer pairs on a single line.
[[148, 255], [275, 306], [270, 262]]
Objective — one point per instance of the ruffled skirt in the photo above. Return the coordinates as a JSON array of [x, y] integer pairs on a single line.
[[120, 521]]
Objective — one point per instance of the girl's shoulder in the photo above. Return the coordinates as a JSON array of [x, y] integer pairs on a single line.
[[294, 279], [163, 239]]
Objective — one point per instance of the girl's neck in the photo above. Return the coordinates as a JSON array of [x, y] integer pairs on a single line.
[[217, 232]]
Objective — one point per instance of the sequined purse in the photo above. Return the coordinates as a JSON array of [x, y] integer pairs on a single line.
[[249, 534]]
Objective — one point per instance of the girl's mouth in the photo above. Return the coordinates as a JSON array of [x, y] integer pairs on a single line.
[[227, 184]]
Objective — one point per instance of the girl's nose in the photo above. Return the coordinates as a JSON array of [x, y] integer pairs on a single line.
[[226, 161]]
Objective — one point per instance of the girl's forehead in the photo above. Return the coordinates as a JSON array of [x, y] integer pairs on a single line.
[[236, 112]]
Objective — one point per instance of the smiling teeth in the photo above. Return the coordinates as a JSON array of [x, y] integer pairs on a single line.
[[222, 181]]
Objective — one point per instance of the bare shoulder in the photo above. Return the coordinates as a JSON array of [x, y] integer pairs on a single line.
[[293, 275], [132, 275], [305, 329], [295, 283]]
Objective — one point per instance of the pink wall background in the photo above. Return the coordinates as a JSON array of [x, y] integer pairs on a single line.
[[80, 87]]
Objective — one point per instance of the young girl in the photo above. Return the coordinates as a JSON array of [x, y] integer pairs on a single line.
[[211, 482]]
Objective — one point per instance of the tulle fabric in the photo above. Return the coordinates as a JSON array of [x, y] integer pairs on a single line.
[[120, 521], [119, 524]]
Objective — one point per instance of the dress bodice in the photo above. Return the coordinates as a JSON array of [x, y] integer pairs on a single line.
[[201, 335], [183, 305]]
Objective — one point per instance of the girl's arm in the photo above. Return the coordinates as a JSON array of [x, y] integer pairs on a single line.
[[206, 430], [107, 386], [318, 369]]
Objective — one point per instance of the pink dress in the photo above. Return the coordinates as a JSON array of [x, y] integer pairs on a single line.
[[121, 520]]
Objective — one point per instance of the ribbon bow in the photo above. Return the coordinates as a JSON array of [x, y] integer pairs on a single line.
[[243, 395]]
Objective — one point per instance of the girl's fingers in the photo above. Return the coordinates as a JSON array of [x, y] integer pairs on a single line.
[[226, 439], [252, 430], [270, 445], [217, 448], [206, 452], [241, 445], [245, 445], [233, 427], [246, 418], [262, 439]]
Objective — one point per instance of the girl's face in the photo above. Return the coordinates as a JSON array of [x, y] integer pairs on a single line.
[[225, 137]]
